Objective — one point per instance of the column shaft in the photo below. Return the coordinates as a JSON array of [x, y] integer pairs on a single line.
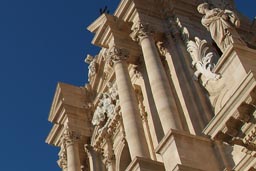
[[130, 113], [73, 159], [161, 90]]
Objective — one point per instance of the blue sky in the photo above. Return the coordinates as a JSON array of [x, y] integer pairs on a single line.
[[43, 42]]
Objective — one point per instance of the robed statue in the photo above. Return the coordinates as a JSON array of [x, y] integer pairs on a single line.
[[220, 23]]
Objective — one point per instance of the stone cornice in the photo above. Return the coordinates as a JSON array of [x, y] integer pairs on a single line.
[[68, 99], [54, 137], [110, 30]]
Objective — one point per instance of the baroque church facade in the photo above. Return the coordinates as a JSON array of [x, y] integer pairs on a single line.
[[172, 89]]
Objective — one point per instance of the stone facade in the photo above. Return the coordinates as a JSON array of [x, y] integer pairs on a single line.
[[172, 88]]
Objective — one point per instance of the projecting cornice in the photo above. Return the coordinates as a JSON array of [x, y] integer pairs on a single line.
[[54, 137], [110, 30], [68, 100]]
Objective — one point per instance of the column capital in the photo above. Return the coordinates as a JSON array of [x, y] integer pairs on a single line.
[[62, 162], [116, 54], [141, 31], [69, 137]]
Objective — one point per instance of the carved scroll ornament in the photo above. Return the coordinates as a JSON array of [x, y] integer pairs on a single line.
[[202, 60]]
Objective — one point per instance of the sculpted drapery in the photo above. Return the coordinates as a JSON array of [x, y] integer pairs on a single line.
[[220, 23]]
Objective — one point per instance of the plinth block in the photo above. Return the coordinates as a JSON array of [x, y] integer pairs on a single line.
[[144, 164], [182, 150], [185, 168]]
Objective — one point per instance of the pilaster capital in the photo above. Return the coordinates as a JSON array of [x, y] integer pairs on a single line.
[[141, 31], [116, 54], [69, 137]]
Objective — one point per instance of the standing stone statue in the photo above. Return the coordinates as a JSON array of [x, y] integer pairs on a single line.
[[220, 23]]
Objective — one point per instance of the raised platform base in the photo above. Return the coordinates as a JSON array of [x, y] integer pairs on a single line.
[[182, 151], [143, 164]]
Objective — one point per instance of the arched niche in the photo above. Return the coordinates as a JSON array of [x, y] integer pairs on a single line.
[[123, 157]]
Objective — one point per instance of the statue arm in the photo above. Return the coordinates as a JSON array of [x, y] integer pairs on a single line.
[[233, 18]]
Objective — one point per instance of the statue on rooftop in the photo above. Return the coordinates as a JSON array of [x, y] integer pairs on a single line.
[[220, 23]]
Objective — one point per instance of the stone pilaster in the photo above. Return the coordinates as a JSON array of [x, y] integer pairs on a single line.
[[130, 113], [161, 90], [70, 141]]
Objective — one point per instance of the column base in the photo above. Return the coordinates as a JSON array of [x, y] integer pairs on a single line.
[[184, 151], [144, 164]]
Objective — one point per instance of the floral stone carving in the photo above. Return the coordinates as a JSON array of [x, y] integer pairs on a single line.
[[108, 105]]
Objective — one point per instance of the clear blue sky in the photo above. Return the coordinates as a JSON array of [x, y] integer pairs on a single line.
[[43, 42]]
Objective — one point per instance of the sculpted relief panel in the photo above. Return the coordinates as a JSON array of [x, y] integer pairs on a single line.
[[107, 106]]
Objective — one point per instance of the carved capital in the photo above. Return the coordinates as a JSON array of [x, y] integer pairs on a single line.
[[141, 31], [69, 137], [116, 54], [62, 162]]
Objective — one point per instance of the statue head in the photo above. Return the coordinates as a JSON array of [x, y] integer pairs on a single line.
[[202, 7]]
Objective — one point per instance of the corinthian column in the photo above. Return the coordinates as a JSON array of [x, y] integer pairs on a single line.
[[130, 113], [160, 86], [70, 141]]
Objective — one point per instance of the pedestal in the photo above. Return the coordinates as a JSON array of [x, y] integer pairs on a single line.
[[144, 164], [182, 151]]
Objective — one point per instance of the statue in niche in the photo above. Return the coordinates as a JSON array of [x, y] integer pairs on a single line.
[[92, 66], [99, 114], [220, 23]]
